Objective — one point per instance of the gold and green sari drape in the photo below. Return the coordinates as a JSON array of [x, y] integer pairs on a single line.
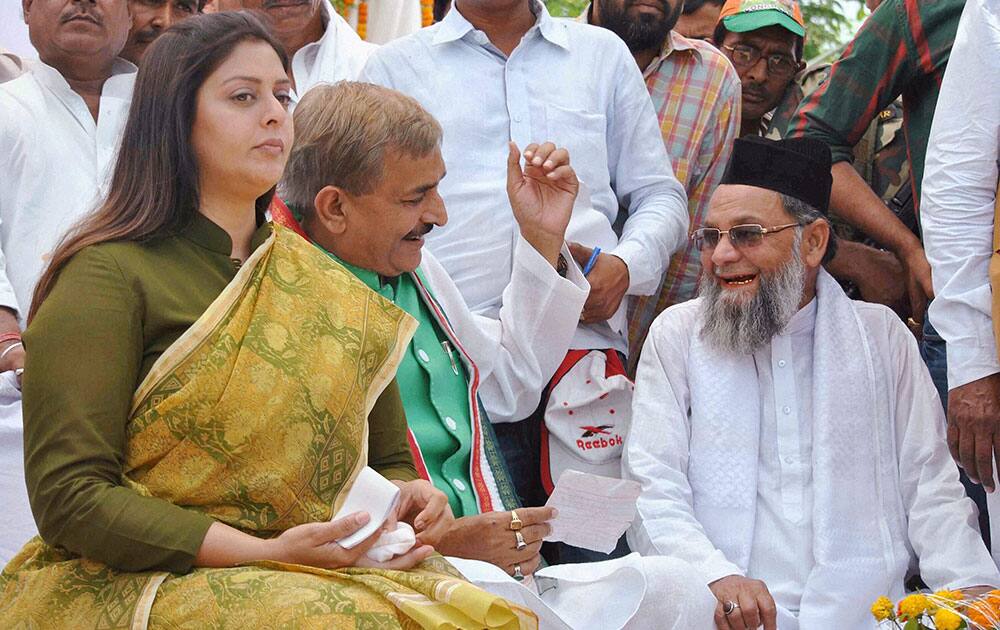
[[257, 416]]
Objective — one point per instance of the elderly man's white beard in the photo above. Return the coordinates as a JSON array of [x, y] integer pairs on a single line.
[[733, 326]]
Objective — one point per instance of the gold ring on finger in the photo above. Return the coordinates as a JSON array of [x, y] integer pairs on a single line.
[[515, 522], [520, 541], [729, 607]]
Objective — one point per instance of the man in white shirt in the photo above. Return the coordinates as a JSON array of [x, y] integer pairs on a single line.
[[958, 217], [321, 44], [494, 71], [59, 133], [789, 441]]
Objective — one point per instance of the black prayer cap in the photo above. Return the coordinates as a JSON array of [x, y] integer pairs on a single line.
[[797, 167]]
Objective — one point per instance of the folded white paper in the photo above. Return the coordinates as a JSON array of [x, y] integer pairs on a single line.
[[371, 493], [594, 511]]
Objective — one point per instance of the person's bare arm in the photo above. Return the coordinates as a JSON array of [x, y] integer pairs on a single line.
[[311, 544], [852, 200], [877, 273]]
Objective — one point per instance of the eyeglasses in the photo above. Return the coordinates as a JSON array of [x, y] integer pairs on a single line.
[[741, 236], [746, 56]]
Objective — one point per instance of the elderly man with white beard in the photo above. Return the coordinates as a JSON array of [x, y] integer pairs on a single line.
[[789, 441]]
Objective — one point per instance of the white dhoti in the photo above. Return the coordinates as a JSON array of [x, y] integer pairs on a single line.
[[16, 522], [632, 593]]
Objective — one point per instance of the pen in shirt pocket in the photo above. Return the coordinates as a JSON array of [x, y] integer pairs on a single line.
[[591, 261], [451, 356]]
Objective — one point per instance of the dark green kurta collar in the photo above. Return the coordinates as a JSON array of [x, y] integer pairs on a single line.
[[206, 233]]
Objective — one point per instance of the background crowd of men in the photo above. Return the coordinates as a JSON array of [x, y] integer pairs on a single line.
[[649, 106]]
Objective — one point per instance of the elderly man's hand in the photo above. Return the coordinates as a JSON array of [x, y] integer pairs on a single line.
[[488, 537], [542, 195], [608, 279], [749, 603], [425, 508], [974, 427]]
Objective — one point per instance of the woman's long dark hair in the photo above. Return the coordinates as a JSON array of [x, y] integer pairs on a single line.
[[154, 188]]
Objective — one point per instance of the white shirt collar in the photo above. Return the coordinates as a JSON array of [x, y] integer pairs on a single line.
[[339, 54], [454, 26], [326, 14], [55, 81]]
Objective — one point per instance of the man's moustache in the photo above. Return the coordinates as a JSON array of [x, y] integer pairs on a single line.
[[272, 4], [423, 230], [81, 11], [664, 6], [148, 35]]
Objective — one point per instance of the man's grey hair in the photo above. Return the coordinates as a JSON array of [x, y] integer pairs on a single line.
[[343, 133], [805, 214]]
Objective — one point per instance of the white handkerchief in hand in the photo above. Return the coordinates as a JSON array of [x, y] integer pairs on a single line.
[[371, 493], [394, 543], [594, 511]]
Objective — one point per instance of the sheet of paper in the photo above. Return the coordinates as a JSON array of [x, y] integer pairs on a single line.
[[594, 511], [370, 493]]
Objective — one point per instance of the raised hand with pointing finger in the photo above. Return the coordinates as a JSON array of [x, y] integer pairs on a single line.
[[542, 195]]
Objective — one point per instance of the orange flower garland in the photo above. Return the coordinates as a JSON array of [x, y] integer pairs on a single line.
[[362, 26], [426, 12], [363, 20]]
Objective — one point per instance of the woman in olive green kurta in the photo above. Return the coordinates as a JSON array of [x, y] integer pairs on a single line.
[[196, 390], [115, 309]]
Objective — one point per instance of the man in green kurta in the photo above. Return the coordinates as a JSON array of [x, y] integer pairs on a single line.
[[458, 365]]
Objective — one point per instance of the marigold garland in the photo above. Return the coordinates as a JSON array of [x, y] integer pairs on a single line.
[[363, 20], [362, 25], [426, 14], [943, 610], [946, 619]]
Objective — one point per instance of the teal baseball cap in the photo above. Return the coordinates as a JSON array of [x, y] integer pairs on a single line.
[[740, 16]]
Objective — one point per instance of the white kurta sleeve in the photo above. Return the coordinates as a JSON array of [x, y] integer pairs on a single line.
[[518, 353], [959, 190], [657, 449], [644, 182], [941, 520], [10, 147]]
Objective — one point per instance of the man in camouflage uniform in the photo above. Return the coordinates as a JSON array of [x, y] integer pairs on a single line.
[[880, 155], [880, 158]]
